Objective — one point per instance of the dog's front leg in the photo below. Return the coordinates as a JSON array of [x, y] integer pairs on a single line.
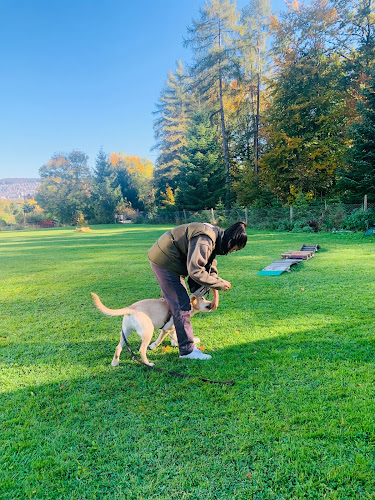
[[173, 335], [159, 340]]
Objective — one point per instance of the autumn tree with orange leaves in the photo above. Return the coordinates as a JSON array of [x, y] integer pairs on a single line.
[[308, 116], [134, 175]]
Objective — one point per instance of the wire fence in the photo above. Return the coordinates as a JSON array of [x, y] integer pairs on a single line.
[[299, 218], [310, 218]]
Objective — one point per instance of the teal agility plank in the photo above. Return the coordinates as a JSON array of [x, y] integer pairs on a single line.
[[270, 273], [277, 267]]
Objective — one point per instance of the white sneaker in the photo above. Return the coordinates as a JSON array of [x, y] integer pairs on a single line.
[[196, 354]]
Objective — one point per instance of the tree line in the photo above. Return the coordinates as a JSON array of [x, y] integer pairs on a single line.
[[270, 110], [271, 107], [70, 191]]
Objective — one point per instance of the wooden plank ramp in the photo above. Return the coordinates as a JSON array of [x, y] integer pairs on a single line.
[[277, 267], [297, 254]]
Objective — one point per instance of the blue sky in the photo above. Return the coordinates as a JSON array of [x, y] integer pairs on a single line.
[[81, 74]]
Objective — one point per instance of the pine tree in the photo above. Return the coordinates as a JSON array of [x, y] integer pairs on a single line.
[[201, 184], [106, 192], [212, 39], [170, 125], [102, 168], [359, 177], [359, 22], [255, 24], [246, 118]]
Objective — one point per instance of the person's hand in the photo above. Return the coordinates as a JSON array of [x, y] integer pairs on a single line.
[[227, 285], [215, 300]]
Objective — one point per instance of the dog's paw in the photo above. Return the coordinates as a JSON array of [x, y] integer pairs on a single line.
[[197, 340], [115, 362], [174, 343], [151, 364], [152, 346]]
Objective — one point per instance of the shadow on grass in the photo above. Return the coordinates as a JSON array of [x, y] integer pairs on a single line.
[[322, 345], [116, 431]]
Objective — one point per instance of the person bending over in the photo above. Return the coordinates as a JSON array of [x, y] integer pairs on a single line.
[[190, 250]]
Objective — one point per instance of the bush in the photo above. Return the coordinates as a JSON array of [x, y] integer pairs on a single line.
[[358, 220], [35, 217], [202, 216], [283, 225], [303, 226], [333, 217]]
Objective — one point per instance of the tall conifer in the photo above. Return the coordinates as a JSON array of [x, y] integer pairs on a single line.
[[212, 39], [170, 125], [201, 182], [359, 177]]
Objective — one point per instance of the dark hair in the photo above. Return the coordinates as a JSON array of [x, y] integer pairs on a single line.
[[235, 235]]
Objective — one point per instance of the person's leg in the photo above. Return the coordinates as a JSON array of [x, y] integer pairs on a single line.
[[175, 293]]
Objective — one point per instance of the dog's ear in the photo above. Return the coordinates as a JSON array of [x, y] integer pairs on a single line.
[[194, 302]]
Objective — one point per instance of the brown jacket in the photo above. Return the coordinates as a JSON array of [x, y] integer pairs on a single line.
[[186, 249]]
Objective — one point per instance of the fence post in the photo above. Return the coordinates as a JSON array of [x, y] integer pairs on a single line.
[[212, 216], [246, 216], [291, 214], [365, 203]]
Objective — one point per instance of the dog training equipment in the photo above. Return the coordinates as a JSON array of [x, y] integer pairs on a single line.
[[278, 267], [290, 258]]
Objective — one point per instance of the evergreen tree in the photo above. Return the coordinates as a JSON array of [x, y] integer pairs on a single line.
[[123, 179], [212, 39], [358, 178], [106, 193], [105, 198], [246, 118], [170, 125], [102, 168], [358, 38], [255, 25], [201, 183]]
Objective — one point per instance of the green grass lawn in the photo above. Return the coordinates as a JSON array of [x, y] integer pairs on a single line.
[[298, 423]]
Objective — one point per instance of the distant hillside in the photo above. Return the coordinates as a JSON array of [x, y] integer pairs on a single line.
[[18, 187]]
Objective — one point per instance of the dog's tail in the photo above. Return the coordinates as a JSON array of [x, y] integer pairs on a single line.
[[112, 312]]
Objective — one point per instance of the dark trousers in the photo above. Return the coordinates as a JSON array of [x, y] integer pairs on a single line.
[[175, 293]]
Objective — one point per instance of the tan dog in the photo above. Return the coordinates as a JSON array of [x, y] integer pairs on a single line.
[[143, 317]]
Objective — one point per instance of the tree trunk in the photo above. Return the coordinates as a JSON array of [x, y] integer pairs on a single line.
[[224, 135], [256, 130], [225, 147]]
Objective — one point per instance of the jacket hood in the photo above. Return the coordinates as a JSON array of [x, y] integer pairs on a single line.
[[218, 244]]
